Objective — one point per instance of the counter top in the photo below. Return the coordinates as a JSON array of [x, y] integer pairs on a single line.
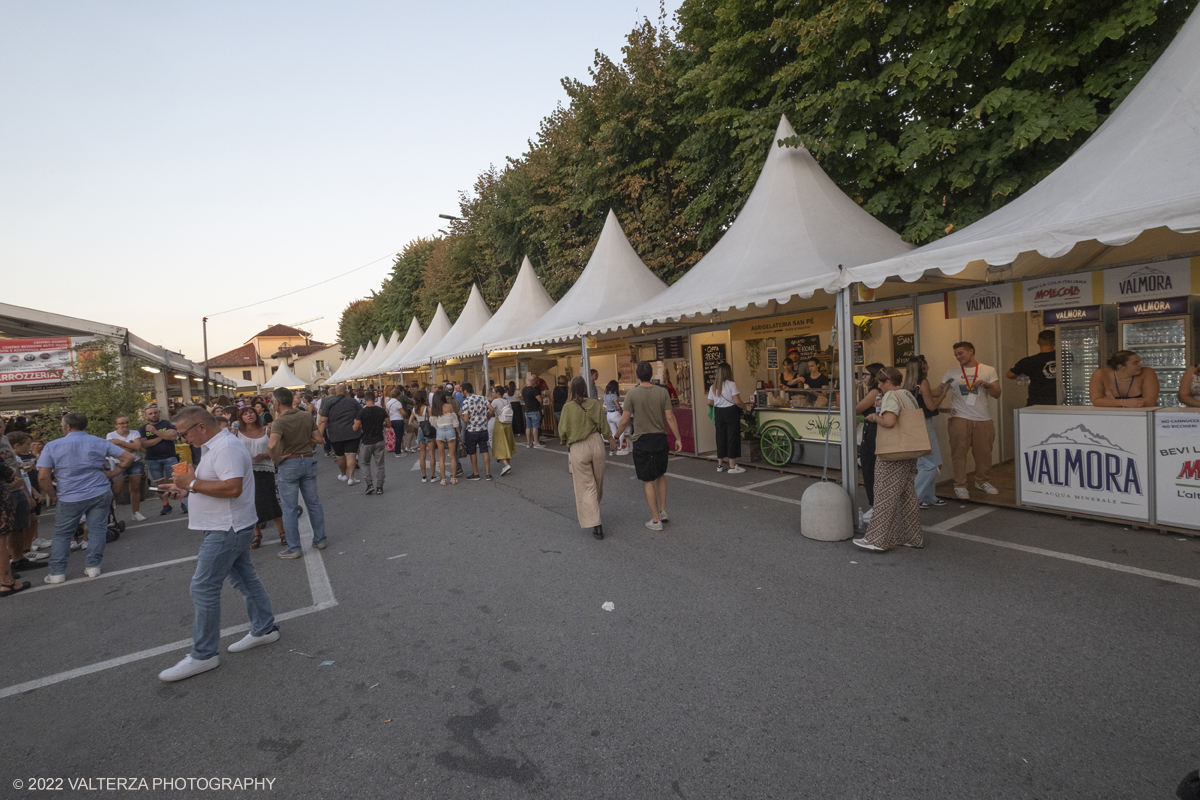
[[1090, 410]]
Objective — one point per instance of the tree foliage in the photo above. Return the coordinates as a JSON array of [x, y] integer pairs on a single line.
[[929, 113], [107, 387]]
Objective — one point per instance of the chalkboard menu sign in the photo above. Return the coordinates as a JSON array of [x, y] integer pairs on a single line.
[[902, 349], [806, 345], [713, 355], [670, 347], [860, 356], [772, 358]]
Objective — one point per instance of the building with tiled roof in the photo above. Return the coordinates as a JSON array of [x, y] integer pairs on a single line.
[[259, 358]]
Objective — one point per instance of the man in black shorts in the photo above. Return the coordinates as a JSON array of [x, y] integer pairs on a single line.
[[475, 414], [650, 406], [337, 418]]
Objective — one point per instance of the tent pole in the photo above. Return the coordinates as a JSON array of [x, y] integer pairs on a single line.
[[845, 326], [585, 364], [484, 386], [916, 317]]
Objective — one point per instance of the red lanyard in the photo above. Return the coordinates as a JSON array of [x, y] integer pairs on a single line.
[[970, 383]]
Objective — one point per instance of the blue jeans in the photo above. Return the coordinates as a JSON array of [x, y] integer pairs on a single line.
[[225, 554], [159, 469], [927, 469], [65, 520], [298, 476]]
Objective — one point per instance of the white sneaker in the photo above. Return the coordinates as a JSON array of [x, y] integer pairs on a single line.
[[353, 482], [250, 641], [539, 447], [624, 451], [91, 572], [735, 470], [138, 517], [507, 469], [83, 545], [75, 546], [54, 579], [870, 512], [40, 543], [34, 556], [961, 493], [865, 545], [341, 477], [654, 526], [662, 516], [188, 667], [987, 487], [720, 467]]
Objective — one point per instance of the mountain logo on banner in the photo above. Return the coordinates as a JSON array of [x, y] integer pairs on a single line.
[[1082, 459], [984, 300], [1146, 279]]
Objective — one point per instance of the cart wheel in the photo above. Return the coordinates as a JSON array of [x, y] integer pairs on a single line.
[[776, 446], [121, 525]]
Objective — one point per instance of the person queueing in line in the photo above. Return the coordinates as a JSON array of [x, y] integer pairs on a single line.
[[896, 520], [727, 418], [504, 442]]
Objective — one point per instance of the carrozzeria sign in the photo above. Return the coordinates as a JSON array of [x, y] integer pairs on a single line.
[[1094, 463]]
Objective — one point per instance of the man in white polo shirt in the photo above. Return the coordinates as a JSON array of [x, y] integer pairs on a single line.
[[222, 506], [970, 426]]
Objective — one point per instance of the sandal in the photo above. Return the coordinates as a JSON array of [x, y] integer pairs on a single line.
[[453, 481], [283, 539], [9, 589], [443, 481], [256, 542]]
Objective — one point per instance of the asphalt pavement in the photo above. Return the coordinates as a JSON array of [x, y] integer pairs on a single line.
[[452, 642]]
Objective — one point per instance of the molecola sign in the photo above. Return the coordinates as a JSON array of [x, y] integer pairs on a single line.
[[1095, 463], [1177, 468], [1062, 291]]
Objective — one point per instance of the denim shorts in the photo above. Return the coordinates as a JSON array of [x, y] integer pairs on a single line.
[[533, 419], [446, 433], [135, 470], [159, 469], [421, 437]]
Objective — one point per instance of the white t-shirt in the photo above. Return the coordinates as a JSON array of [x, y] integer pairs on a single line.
[[394, 408], [128, 438], [725, 399], [970, 403]]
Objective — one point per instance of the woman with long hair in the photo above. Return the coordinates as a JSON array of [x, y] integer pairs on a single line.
[[896, 520], [916, 383], [727, 416], [866, 450], [613, 410], [444, 420], [504, 443], [1124, 383], [419, 414], [253, 435], [585, 430]]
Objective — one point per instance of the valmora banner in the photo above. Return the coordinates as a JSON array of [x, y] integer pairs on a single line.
[[31, 361]]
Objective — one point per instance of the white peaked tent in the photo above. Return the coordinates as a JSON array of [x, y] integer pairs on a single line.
[[795, 230], [382, 348], [404, 348], [1140, 171], [527, 300], [284, 378], [367, 355], [346, 367], [475, 315], [439, 326], [613, 279]]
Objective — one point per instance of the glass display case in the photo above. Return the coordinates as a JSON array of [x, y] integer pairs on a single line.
[[1078, 358], [1163, 345]]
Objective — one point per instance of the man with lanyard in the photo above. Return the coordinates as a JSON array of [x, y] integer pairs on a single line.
[[223, 509], [970, 426], [294, 434], [1040, 372], [158, 443], [337, 417], [72, 471]]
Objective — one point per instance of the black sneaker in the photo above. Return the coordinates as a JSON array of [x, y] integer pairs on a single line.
[[940, 502], [379, 490], [165, 510], [370, 490], [489, 477], [184, 507], [473, 476]]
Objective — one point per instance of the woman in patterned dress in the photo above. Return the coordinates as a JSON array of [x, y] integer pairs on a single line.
[[896, 520]]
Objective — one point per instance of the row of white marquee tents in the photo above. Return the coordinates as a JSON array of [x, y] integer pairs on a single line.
[[1131, 191]]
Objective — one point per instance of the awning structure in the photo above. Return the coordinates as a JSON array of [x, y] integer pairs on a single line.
[[381, 352], [284, 378], [527, 300], [1131, 192], [346, 367], [796, 229], [475, 315], [613, 279], [439, 326], [405, 347]]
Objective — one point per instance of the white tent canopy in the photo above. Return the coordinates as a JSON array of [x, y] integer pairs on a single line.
[[382, 350], [795, 230], [527, 301], [284, 378], [613, 278], [367, 355], [346, 367], [475, 315], [1140, 171], [405, 347], [439, 326]]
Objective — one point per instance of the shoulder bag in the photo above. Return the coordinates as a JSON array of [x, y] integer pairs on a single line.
[[907, 439], [427, 427]]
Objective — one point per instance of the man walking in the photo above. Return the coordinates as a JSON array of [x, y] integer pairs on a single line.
[[475, 415], [650, 405], [77, 462], [222, 486], [1040, 372], [337, 416], [531, 398], [370, 422], [293, 437], [158, 443], [970, 426]]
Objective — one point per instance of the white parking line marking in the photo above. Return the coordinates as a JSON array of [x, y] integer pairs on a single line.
[[314, 564], [961, 519], [103, 575], [393, 558], [768, 483]]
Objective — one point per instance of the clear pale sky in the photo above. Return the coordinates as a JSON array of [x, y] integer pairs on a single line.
[[164, 161]]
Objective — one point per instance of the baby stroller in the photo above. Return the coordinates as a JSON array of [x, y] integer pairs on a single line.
[[115, 526]]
